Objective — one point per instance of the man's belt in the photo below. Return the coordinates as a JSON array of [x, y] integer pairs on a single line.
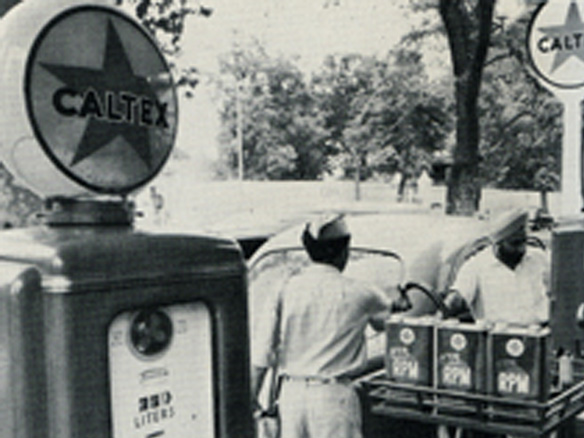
[[317, 379]]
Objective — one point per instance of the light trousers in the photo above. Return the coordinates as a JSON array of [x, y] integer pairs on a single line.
[[319, 410]]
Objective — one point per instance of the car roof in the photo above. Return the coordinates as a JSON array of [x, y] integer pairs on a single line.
[[404, 233]]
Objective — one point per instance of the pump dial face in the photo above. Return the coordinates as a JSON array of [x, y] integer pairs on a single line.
[[101, 100], [151, 332]]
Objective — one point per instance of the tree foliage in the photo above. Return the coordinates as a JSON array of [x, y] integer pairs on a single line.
[[282, 133], [517, 143], [522, 121], [358, 113], [383, 114], [378, 116], [343, 88], [165, 20]]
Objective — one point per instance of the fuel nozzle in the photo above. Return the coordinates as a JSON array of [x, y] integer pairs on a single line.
[[580, 316], [403, 303]]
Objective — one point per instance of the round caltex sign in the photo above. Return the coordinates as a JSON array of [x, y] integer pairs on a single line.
[[100, 99], [555, 43]]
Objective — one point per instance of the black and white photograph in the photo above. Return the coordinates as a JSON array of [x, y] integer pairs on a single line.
[[291, 219]]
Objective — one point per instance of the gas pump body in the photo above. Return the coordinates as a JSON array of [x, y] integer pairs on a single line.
[[63, 289], [568, 287]]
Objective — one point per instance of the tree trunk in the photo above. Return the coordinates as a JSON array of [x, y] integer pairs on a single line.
[[464, 190], [357, 159], [469, 33], [543, 201], [401, 188], [463, 183]]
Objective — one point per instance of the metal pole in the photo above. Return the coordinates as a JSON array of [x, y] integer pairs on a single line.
[[239, 130], [571, 194], [357, 159]]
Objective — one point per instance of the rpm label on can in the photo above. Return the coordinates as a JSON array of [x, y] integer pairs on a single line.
[[161, 373]]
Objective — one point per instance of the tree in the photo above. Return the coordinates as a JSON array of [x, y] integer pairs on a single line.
[[468, 29], [165, 19], [360, 113], [522, 122], [281, 132], [467, 25], [343, 88], [519, 143], [382, 114], [416, 122]]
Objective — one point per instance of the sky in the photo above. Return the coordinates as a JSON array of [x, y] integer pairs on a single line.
[[308, 29]]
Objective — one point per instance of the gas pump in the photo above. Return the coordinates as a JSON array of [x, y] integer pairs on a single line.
[[107, 332], [567, 312], [568, 287]]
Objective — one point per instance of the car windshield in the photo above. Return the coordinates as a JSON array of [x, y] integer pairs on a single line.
[[384, 269]]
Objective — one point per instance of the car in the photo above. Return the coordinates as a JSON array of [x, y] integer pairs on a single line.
[[417, 253], [420, 252], [414, 251]]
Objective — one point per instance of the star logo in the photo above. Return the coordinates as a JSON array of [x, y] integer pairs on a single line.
[[101, 100], [110, 101], [565, 40]]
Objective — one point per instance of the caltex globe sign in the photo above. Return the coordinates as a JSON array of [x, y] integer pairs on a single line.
[[99, 102], [556, 43]]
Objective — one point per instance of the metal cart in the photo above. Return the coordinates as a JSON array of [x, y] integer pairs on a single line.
[[477, 412]]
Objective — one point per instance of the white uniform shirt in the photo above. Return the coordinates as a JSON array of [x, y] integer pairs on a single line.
[[323, 318], [497, 293]]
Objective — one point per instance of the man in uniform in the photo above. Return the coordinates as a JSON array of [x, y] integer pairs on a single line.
[[509, 283], [317, 327]]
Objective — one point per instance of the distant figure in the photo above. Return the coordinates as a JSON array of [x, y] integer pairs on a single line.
[[157, 201], [424, 191], [407, 187]]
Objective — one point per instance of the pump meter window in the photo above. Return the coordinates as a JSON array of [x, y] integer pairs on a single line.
[[161, 373]]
